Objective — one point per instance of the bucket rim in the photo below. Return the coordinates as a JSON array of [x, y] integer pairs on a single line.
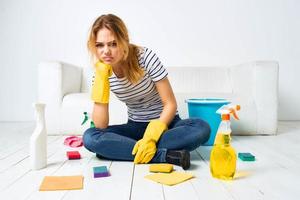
[[207, 101]]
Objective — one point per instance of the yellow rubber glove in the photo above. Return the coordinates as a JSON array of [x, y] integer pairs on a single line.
[[100, 88], [145, 148]]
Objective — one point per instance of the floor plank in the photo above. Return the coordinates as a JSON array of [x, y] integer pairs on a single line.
[[143, 188]]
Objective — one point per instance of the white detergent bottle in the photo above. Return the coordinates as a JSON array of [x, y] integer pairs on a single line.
[[38, 140]]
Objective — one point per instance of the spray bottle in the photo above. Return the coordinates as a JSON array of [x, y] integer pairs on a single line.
[[223, 156], [87, 116], [38, 139]]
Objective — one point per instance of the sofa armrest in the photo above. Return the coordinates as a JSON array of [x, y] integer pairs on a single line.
[[55, 80], [259, 80], [266, 95]]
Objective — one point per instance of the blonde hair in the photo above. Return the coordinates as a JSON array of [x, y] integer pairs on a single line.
[[132, 71]]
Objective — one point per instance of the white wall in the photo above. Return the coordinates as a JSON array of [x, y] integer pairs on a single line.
[[191, 33]]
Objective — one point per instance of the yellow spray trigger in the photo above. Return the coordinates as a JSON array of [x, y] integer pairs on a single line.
[[233, 110]]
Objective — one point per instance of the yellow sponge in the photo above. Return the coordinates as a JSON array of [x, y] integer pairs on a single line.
[[167, 168]]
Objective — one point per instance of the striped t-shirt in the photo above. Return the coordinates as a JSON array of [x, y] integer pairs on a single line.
[[142, 99]]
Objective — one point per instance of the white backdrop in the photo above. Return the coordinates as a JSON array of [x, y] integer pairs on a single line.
[[183, 33]]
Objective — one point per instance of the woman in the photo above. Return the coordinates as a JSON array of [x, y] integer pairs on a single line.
[[154, 131]]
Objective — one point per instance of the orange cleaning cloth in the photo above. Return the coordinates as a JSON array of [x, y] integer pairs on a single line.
[[61, 183]]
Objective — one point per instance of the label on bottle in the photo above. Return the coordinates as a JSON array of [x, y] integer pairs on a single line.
[[222, 138]]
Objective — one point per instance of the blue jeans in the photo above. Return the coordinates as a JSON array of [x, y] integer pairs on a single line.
[[117, 141]]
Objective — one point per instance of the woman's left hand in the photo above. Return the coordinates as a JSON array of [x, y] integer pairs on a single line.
[[144, 150]]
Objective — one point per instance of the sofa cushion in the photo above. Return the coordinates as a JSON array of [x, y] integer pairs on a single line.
[[204, 80]]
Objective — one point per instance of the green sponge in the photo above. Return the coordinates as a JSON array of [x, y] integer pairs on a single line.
[[246, 156]]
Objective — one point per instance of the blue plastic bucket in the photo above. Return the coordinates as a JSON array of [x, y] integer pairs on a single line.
[[206, 109]]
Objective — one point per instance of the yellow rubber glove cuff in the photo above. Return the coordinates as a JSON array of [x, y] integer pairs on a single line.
[[155, 129], [145, 149], [101, 88]]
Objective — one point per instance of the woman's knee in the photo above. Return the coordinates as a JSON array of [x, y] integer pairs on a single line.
[[89, 137], [200, 127], [204, 129]]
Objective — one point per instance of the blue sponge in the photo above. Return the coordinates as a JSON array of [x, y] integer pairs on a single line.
[[100, 172]]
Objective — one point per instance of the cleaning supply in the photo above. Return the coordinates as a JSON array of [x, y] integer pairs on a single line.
[[246, 156], [205, 109], [86, 118], [73, 141], [223, 156], [73, 155], [170, 179], [161, 167], [145, 148], [101, 88], [100, 171], [51, 183], [38, 139]]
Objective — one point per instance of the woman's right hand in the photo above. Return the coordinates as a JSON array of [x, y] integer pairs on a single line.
[[105, 70], [101, 88]]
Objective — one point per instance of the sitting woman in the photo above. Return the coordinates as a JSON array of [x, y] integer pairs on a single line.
[[154, 131]]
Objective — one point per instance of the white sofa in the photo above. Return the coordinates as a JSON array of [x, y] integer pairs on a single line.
[[64, 88]]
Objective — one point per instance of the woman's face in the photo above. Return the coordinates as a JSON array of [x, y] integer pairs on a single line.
[[107, 48]]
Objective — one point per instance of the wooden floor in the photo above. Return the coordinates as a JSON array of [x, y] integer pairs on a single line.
[[274, 175]]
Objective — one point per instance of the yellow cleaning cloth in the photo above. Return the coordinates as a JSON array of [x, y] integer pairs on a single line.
[[172, 178], [61, 183], [167, 168]]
